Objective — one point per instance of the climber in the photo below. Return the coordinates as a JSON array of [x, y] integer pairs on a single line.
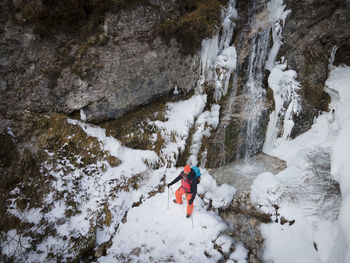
[[188, 187]]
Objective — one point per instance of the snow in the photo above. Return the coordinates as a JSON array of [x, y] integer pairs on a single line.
[[310, 238], [153, 231], [175, 130], [11, 247], [285, 86], [224, 242], [162, 233], [205, 123], [240, 254], [130, 165], [284, 241], [294, 245], [180, 115], [298, 242], [221, 196], [339, 81], [82, 115], [88, 191]]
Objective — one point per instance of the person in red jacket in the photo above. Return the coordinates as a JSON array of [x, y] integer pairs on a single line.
[[188, 188]]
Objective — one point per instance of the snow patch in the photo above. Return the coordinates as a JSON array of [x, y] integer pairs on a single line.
[[240, 254], [205, 123], [82, 115], [338, 81], [175, 130]]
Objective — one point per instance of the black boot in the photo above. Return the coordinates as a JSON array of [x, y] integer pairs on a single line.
[[188, 215]]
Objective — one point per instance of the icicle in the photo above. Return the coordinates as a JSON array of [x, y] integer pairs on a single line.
[[283, 83], [331, 58], [218, 58]]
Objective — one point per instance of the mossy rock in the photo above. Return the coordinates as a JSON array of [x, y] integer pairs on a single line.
[[108, 215], [69, 141], [232, 133], [135, 130], [198, 20]]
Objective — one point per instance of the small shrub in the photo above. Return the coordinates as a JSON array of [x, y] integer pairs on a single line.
[[317, 191], [318, 186]]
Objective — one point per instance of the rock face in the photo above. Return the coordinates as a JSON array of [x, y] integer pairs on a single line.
[[321, 25], [242, 128], [311, 31], [107, 74]]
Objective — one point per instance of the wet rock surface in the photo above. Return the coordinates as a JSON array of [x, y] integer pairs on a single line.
[[231, 140], [242, 173], [322, 25]]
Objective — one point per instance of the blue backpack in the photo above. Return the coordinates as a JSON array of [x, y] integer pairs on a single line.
[[198, 173]]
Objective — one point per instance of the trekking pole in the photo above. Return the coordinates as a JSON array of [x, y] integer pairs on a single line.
[[192, 218], [168, 198], [192, 215], [164, 176]]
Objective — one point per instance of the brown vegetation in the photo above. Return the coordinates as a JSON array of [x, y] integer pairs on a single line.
[[198, 19]]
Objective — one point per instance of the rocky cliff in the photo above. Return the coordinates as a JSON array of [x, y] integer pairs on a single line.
[[312, 30], [115, 57]]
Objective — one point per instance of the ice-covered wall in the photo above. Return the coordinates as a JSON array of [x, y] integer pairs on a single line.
[[219, 56], [338, 85]]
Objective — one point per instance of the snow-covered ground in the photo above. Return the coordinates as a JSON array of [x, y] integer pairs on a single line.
[[150, 231], [155, 233]]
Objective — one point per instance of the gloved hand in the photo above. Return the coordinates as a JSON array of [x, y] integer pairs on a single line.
[[168, 185], [190, 202]]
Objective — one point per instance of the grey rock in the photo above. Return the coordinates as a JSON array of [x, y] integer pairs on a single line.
[[125, 66]]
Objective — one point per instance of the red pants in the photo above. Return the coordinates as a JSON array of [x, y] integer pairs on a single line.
[[179, 193]]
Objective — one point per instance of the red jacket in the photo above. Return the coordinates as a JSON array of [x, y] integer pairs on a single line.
[[189, 185]]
